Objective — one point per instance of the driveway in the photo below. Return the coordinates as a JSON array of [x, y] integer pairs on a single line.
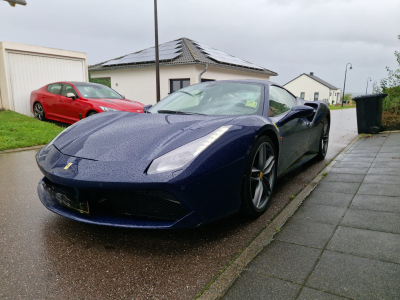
[[43, 255]]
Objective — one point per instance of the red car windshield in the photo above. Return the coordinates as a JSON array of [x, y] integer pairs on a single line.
[[97, 91]]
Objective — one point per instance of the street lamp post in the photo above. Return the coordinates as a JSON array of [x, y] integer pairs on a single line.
[[157, 57], [366, 90], [344, 85]]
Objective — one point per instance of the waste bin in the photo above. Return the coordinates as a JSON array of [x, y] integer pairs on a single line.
[[369, 112]]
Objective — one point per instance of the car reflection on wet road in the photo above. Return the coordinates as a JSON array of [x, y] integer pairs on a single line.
[[43, 255]]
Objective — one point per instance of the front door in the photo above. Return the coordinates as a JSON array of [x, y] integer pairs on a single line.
[[70, 108], [295, 134]]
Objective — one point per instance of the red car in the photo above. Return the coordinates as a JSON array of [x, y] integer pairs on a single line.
[[69, 102]]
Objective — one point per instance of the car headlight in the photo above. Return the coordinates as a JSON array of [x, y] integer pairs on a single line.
[[183, 155], [105, 108]]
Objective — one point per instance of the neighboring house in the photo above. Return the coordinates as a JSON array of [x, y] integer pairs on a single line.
[[312, 88], [24, 68], [182, 62]]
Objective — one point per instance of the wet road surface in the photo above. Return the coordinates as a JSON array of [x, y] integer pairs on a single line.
[[43, 255]]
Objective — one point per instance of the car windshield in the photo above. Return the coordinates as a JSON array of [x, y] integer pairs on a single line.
[[213, 98], [97, 91]]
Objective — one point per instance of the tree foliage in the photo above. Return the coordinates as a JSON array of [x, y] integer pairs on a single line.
[[391, 86], [103, 81], [393, 78], [347, 97]]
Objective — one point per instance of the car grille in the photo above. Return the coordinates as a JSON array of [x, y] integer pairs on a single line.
[[143, 203]]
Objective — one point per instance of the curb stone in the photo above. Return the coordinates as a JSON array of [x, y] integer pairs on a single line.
[[221, 284], [22, 149]]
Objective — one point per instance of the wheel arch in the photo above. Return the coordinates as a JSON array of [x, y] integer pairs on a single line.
[[42, 104], [89, 111], [328, 117], [273, 135]]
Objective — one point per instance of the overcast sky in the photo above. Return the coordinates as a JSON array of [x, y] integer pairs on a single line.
[[290, 37]]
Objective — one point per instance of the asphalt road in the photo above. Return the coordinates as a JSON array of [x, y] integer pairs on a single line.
[[45, 256]]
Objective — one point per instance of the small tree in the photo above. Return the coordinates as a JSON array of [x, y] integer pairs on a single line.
[[391, 86], [347, 97], [393, 78]]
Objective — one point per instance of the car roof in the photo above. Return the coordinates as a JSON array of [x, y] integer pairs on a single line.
[[76, 82]]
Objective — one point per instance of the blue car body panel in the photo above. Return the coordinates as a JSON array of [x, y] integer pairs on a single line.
[[112, 152]]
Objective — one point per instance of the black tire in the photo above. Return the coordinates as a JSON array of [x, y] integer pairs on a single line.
[[260, 173], [91, 113], [324, 139], [39, 112]]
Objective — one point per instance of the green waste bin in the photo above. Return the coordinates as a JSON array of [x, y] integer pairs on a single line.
[[369, 112]]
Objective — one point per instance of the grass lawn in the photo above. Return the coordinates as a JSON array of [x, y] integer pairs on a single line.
[[332, 107], [17, 131]]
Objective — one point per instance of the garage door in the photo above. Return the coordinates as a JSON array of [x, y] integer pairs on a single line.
[[28, 72]]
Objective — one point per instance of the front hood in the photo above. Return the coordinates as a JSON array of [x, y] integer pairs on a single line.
[[122, 136]]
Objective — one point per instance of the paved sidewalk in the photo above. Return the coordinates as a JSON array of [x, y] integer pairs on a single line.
[[344, 241]]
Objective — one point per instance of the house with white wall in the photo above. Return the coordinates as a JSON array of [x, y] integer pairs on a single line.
[[24, 68], [183, 62], [312, 88]]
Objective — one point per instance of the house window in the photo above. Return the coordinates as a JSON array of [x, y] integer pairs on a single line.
[[302, 95], [177, 84], [316, 95], [330, 93]]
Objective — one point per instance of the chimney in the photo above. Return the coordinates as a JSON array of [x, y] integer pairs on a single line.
[[312, 73]]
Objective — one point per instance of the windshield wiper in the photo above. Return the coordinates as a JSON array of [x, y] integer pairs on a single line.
[[184, 93], [165, 111]]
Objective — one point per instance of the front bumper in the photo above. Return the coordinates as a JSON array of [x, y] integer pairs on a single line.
[[56, 203], [199, 199]]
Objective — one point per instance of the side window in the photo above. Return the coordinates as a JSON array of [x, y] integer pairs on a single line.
[[68, 89], [280, 101], [177, 84], [54, 88]]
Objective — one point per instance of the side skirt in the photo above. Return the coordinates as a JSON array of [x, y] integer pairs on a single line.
[[301, 161]]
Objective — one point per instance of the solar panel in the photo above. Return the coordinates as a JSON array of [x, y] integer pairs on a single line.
[[167, 51], [223, 57], [169, 56]]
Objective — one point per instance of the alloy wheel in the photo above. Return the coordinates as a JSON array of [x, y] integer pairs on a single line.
[[262, 175], [39, 111], [325, 137]]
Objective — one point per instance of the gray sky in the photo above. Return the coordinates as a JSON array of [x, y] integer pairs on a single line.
[[290, 37]]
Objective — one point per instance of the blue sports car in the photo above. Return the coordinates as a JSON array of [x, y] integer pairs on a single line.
[[202, 153]]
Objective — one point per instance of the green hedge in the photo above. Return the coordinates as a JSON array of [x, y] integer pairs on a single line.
[[392, 102]]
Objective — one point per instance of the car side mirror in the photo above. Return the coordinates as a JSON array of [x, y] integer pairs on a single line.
[[297, 111], [147, 107], [71, 95]]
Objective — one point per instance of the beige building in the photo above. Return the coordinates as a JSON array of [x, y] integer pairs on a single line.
[[183, 62], [24, 68], [312, 88]]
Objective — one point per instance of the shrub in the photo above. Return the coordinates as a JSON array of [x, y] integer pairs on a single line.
[[392, 102]]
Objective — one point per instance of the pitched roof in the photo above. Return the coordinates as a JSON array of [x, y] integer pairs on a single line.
[[191, 52], [332, 87], [13, 2]]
